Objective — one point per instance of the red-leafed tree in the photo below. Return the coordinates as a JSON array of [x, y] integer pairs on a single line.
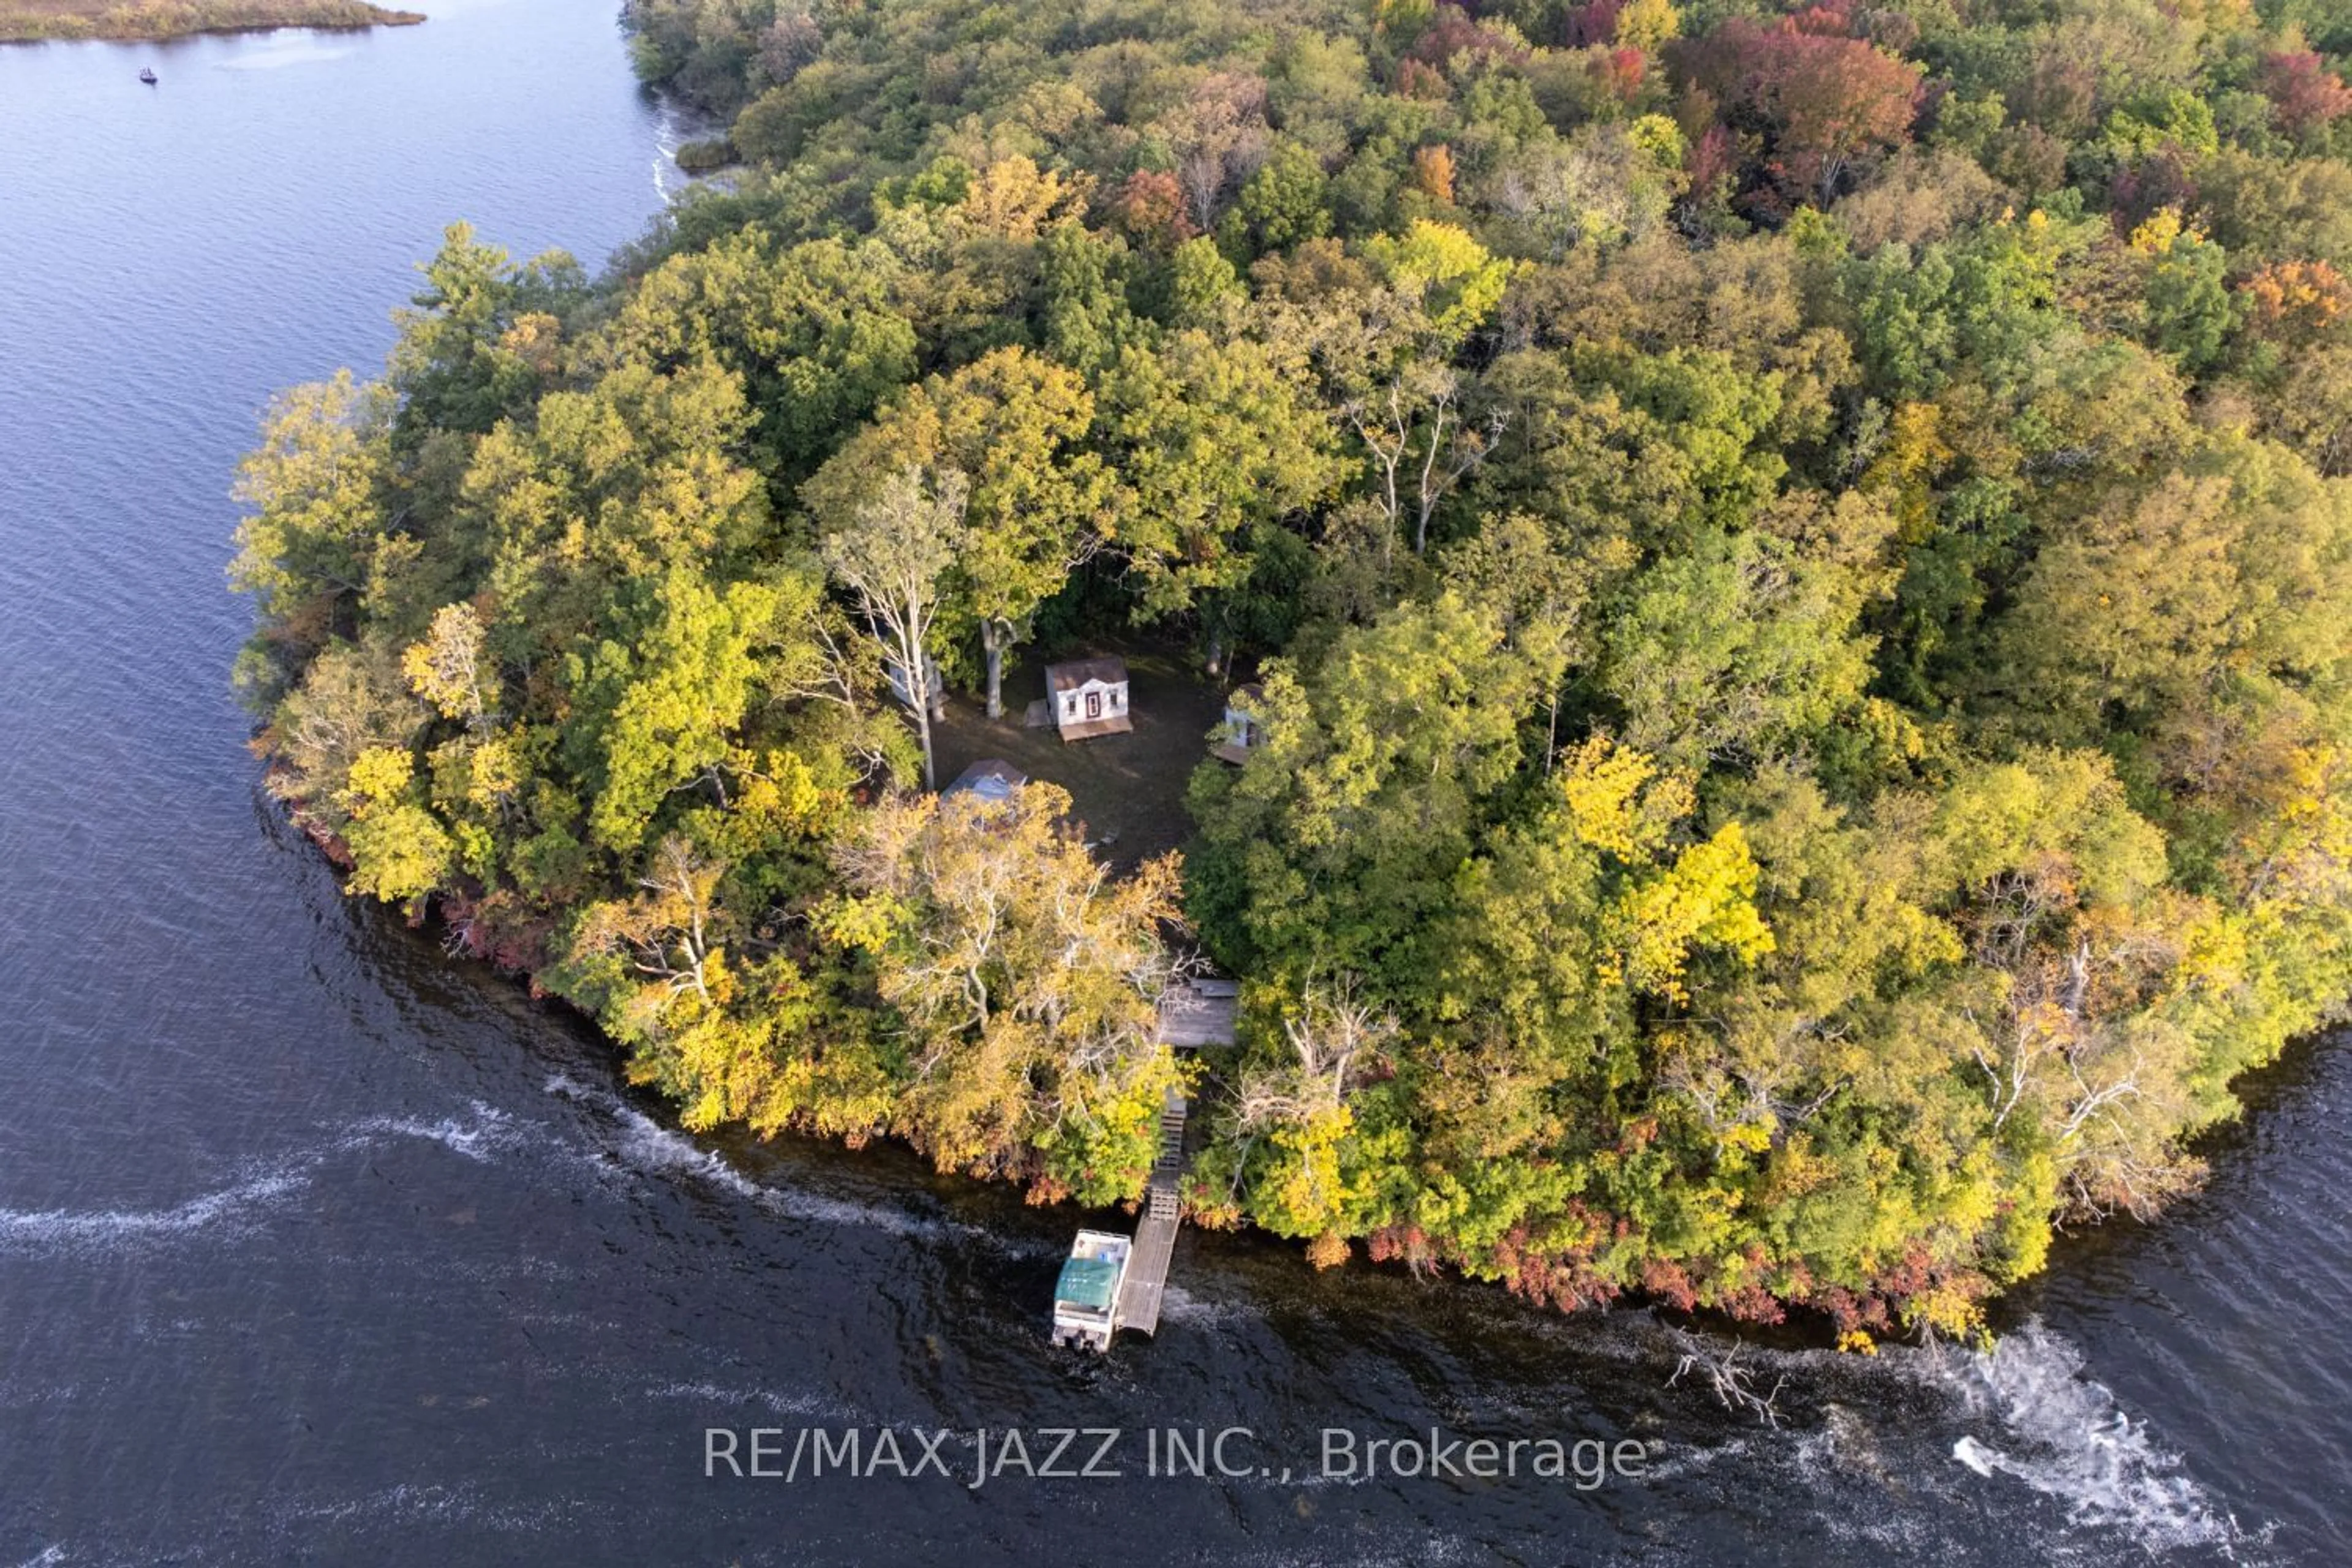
[[1151, 208], [2304, 95], [1714, 165], [1826, 103], [1452, 32], [1593, 23], [1620, 71], [1834, 101]]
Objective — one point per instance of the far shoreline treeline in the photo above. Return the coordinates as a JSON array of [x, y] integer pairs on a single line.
[[156, 21]]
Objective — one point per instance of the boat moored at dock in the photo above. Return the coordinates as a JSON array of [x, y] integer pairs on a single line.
[[1087, 1296]]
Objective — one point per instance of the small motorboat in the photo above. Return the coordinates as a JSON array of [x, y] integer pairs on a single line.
[[1086, 1297], [147, 75]]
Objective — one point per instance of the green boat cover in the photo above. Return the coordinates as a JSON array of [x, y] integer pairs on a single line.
[[1087, 1281]]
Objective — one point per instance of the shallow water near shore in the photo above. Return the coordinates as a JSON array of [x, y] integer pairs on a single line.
[[317, 1247]]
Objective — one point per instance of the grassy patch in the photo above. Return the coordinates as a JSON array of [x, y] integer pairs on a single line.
[[1128, 790]]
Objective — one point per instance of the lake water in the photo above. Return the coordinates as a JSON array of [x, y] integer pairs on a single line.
[[315, 1247]]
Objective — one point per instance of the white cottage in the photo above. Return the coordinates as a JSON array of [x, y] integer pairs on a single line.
[[895, 671], [1087, 696], [1243, 729]]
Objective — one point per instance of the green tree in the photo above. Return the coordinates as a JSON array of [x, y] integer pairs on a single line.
[[1011, 424], [478, 343], [318, 487], [657, 708], [1209, 443], [1283, 203], [1028, 982], [1748, 646], [1342, 835]]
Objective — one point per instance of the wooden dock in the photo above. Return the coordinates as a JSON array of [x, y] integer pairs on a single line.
[[1200, 1012], [1196, 1011], [1155, 1236]]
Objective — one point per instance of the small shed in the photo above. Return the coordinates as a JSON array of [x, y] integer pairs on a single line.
[[1243, 728], [1198, 1012], [991, 779], [895, 670], [1089, 698]]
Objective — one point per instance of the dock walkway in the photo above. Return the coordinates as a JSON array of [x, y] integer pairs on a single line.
[[1198, 1011], [1155, 1236]]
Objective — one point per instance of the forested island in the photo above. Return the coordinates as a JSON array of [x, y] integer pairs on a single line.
[[28, 21], [1799, 566]]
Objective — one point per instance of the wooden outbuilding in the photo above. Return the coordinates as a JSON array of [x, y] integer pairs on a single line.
[[991, 779], [895, 671], [1198, 1012], [1243, 728], [1087, 696]]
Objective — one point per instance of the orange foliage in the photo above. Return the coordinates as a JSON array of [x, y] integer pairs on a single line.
[[1327, 1250], [2297, 296], [1620, 71], [1433, 171], [1150, 207]]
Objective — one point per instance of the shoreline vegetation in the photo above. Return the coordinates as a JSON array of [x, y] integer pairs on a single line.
[[1794, 563], [144, 21]]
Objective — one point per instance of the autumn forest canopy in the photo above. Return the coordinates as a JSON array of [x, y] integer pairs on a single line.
[[1800, 565]]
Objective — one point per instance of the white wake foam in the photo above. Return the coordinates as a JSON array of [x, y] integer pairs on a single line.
[[60, 1228], [669, 135], [2065, 1435], [268, 1186], [409, 1505], [647, 1146], [491, 1131], [1179, 1305], [802, 1405]]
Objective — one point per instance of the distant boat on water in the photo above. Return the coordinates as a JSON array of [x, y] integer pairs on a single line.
[[147, 75]]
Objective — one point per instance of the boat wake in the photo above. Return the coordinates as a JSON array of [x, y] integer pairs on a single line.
[[807, 1406], [411, 1507], [264, 1188], [1178, 1305], [2040, 1421], [63, 1229], [488, 1131], [646, 1146]]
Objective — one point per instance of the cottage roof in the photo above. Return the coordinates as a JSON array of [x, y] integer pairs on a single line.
[[991, 778], [1078, 672]]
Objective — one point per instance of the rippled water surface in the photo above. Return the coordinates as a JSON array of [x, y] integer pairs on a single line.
[[315, 1248]]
